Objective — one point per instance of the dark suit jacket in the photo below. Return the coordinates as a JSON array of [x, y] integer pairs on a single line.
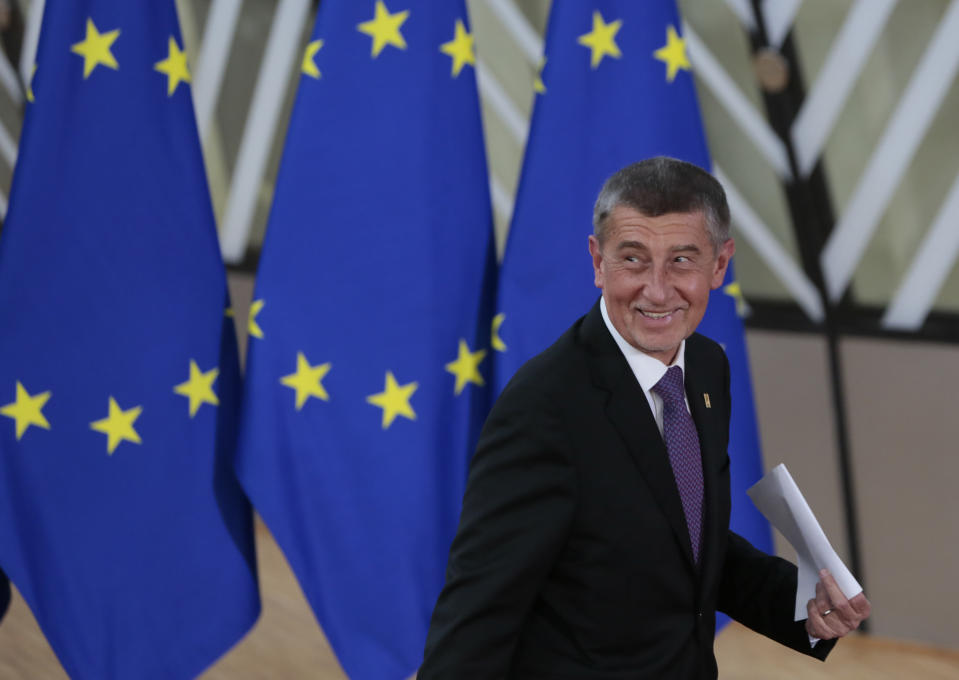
[[572, 558], [4, 594]]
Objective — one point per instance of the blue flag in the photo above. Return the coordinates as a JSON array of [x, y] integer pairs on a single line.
[[617, 89], [121, 521], [366, 373]]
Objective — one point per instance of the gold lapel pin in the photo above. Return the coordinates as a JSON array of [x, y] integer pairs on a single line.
[[706, 399]]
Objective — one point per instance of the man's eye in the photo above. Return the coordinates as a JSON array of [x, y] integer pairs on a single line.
[[632, 258], [682, 258]]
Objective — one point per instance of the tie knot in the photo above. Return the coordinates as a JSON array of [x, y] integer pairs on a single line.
[[670, 386]]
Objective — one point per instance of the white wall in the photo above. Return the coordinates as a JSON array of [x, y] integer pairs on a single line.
[[902, 420]]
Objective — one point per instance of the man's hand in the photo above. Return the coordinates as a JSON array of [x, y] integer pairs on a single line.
[[831, 615]]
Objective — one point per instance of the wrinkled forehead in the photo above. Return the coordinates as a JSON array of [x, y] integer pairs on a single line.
[[626, 222]]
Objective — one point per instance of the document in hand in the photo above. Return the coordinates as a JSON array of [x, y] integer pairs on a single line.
[[780, 500]]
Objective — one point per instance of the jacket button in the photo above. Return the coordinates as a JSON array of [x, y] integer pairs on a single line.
[[699, 614]]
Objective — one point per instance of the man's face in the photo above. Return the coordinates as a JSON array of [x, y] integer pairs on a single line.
[[656, 274]]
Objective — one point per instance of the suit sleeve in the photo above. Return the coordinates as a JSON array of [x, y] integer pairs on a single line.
[[759, 591], [517, 510], [4, 594]]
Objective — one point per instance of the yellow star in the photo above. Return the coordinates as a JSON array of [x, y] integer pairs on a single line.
[[496, 341], [538, 86], [307, 380], [95, 49], [466, 367], [30, 84], [199, 388], [118, 425], [174, 66], [394, 400], [384, 28], [460, 48], [27, 410], [734, 291], [673, 53], [308, 67], [602, 39], [252, 327]]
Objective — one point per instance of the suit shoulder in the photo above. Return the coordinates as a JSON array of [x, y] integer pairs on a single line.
[[706, 348], [561, 364]]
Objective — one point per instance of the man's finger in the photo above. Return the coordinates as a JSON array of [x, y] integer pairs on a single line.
[[818, 608], [830, 613], [837, 601], [813, 621], [822, 599], [848, 613], [860, 603], [818, 625]]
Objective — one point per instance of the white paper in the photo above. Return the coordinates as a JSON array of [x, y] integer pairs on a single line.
[[780, 500]]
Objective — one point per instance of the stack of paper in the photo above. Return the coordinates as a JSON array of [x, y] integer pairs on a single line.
[[780, 500]]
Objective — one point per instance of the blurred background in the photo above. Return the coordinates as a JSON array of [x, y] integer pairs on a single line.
[[832, 125]]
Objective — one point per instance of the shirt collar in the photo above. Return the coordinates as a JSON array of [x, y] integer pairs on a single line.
[[648, 370]]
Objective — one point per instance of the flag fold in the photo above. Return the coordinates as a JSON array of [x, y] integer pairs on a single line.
[[368, 363], [121, 520]]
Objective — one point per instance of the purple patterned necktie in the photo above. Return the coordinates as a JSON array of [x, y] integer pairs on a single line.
[[682, 444]]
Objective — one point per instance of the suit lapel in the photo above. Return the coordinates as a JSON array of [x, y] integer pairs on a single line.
[[711, 424], [629, 413]]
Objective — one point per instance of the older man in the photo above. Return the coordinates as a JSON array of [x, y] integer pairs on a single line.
[[594, 540]]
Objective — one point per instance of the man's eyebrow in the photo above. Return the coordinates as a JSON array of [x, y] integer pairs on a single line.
[[638, 245]]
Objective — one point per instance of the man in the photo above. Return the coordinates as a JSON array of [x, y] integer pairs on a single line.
[[594, 539]]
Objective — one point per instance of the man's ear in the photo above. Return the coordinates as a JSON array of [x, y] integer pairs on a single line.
[[723, 257], [597, 254]]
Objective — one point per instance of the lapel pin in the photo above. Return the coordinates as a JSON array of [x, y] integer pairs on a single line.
[[706, 399]]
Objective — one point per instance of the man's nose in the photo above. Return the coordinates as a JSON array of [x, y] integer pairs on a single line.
[[656, 285]]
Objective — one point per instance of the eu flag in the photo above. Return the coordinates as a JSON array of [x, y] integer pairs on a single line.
[[121, 521], [367, 365], [618, 89]]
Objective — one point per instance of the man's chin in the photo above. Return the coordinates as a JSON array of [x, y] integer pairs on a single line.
[[657, 342], [656, 347]]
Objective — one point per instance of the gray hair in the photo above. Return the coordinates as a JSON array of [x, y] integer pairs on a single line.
[[661, 185]]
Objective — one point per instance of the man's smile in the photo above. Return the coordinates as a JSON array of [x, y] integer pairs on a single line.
[[650, 314]]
